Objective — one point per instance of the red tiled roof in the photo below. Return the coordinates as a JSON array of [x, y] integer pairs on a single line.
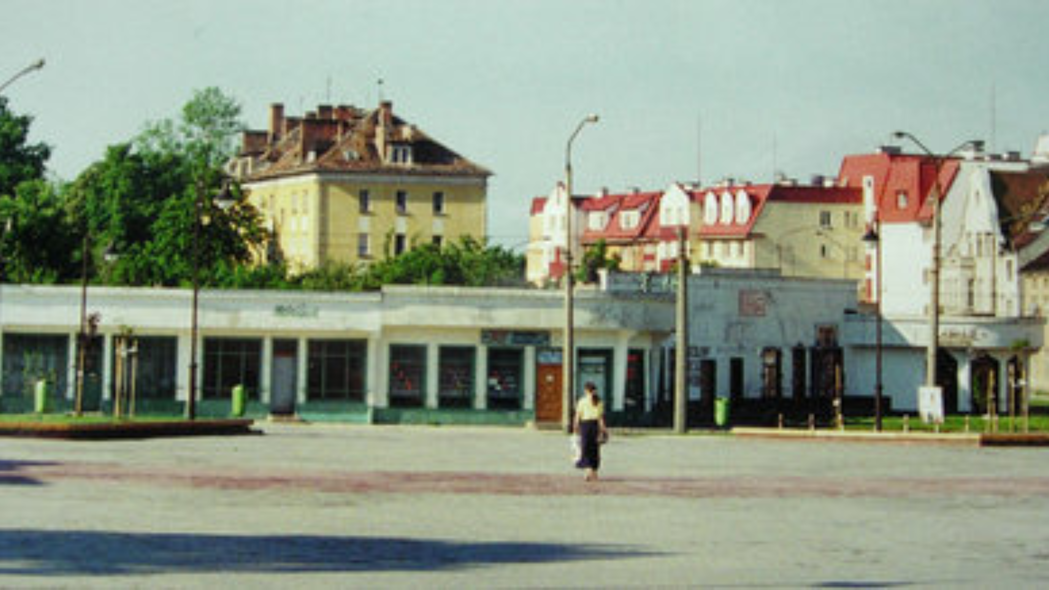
[[646, 204], [896, 174], [758, 195]]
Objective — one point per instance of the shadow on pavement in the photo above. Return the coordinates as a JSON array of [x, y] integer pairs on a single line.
[[9, 472], [52, 553]]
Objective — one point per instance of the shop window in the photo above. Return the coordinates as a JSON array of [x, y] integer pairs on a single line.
[[336, 370], [407, 375], [505, 368], [154, 362], [456, 377], [229, 362], [634, 400], [29, 357]]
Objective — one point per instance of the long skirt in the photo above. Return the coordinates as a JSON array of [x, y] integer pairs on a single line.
[[590, 458]]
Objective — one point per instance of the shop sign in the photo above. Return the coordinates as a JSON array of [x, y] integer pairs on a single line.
[[514, 338], [296, 310], [753, 303]]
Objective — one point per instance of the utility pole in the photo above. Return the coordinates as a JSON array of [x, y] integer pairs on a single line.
[[681, 343]]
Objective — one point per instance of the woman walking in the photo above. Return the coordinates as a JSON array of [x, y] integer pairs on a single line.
[[589, 426]]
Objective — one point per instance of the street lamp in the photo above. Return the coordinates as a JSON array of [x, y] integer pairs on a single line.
[[568, 356], [873, 237], [36, 65], [934, 270], [224, 200]]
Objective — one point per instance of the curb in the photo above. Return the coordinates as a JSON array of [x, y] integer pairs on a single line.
[[138, 430], [973, 439]]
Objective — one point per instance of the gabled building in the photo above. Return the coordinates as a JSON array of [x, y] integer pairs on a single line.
[[811, 231], [984, 336], [343, 184], [801, 230]]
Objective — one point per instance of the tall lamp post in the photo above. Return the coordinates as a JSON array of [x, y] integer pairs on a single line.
[[568, 356], [873, 237], [934, 270], [36, 65], [224, 200]]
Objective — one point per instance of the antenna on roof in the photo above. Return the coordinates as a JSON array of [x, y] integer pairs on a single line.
[[378, 85], [994, 116], [775, 154], [327, 99], [699, 149]]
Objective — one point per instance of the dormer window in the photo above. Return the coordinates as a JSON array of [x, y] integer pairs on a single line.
[[595, 221], [901, 199], [629, 219], [401, 154]]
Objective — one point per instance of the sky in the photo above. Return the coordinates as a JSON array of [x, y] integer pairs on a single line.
[[685, 90]]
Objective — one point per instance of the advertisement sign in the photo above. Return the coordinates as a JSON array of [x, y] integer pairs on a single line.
[[930, 404]]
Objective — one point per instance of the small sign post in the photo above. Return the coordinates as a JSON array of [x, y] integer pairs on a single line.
[[930, 404]]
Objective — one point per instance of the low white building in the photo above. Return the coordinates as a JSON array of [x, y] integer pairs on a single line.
[[434, 354]]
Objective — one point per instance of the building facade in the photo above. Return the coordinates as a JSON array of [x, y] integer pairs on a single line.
[[427, 354], [344, 185]]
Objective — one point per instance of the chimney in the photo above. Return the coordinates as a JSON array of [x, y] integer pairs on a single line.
[[386, 113], [276, 121], [324, 111]]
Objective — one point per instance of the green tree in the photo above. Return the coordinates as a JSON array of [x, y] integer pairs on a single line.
[[595, 258], [19, 161], [37, 243], [141, 200]]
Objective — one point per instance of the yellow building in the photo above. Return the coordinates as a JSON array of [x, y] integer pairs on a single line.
[[346, 185]]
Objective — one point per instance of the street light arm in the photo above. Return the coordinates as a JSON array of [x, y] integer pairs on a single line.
[[568, 148], [38, 64]]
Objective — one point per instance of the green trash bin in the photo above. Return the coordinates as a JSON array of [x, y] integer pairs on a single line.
[[240, 401], [42, 397], [721, 407]]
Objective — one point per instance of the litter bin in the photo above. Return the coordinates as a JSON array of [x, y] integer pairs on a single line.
[[721, 407], [42, 397], [240, 400]]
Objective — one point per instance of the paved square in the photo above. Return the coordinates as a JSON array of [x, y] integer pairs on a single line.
[[362, 506]]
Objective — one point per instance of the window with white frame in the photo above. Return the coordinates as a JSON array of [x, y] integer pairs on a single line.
[[595, 220], [438, 203], [629, 219], [364, 245], [402, 202]]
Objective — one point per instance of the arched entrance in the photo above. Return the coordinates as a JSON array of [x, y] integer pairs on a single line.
[[985, 375], [947, 379]]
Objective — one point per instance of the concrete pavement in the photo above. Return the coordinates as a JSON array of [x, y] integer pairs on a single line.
[[365, 506]]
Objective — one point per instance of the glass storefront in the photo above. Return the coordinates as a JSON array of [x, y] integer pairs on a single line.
[[337, 370], [153, 360], [407, 375], [31, 357], [229, 362], [505, 370], [456, 377]]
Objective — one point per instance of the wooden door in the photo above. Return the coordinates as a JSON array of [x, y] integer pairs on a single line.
[[548, 393]]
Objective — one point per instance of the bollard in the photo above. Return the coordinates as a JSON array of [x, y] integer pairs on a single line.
[[780, 421], [812, 422], [239, 401], [967, 424], [42, 397], [906, 423]]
